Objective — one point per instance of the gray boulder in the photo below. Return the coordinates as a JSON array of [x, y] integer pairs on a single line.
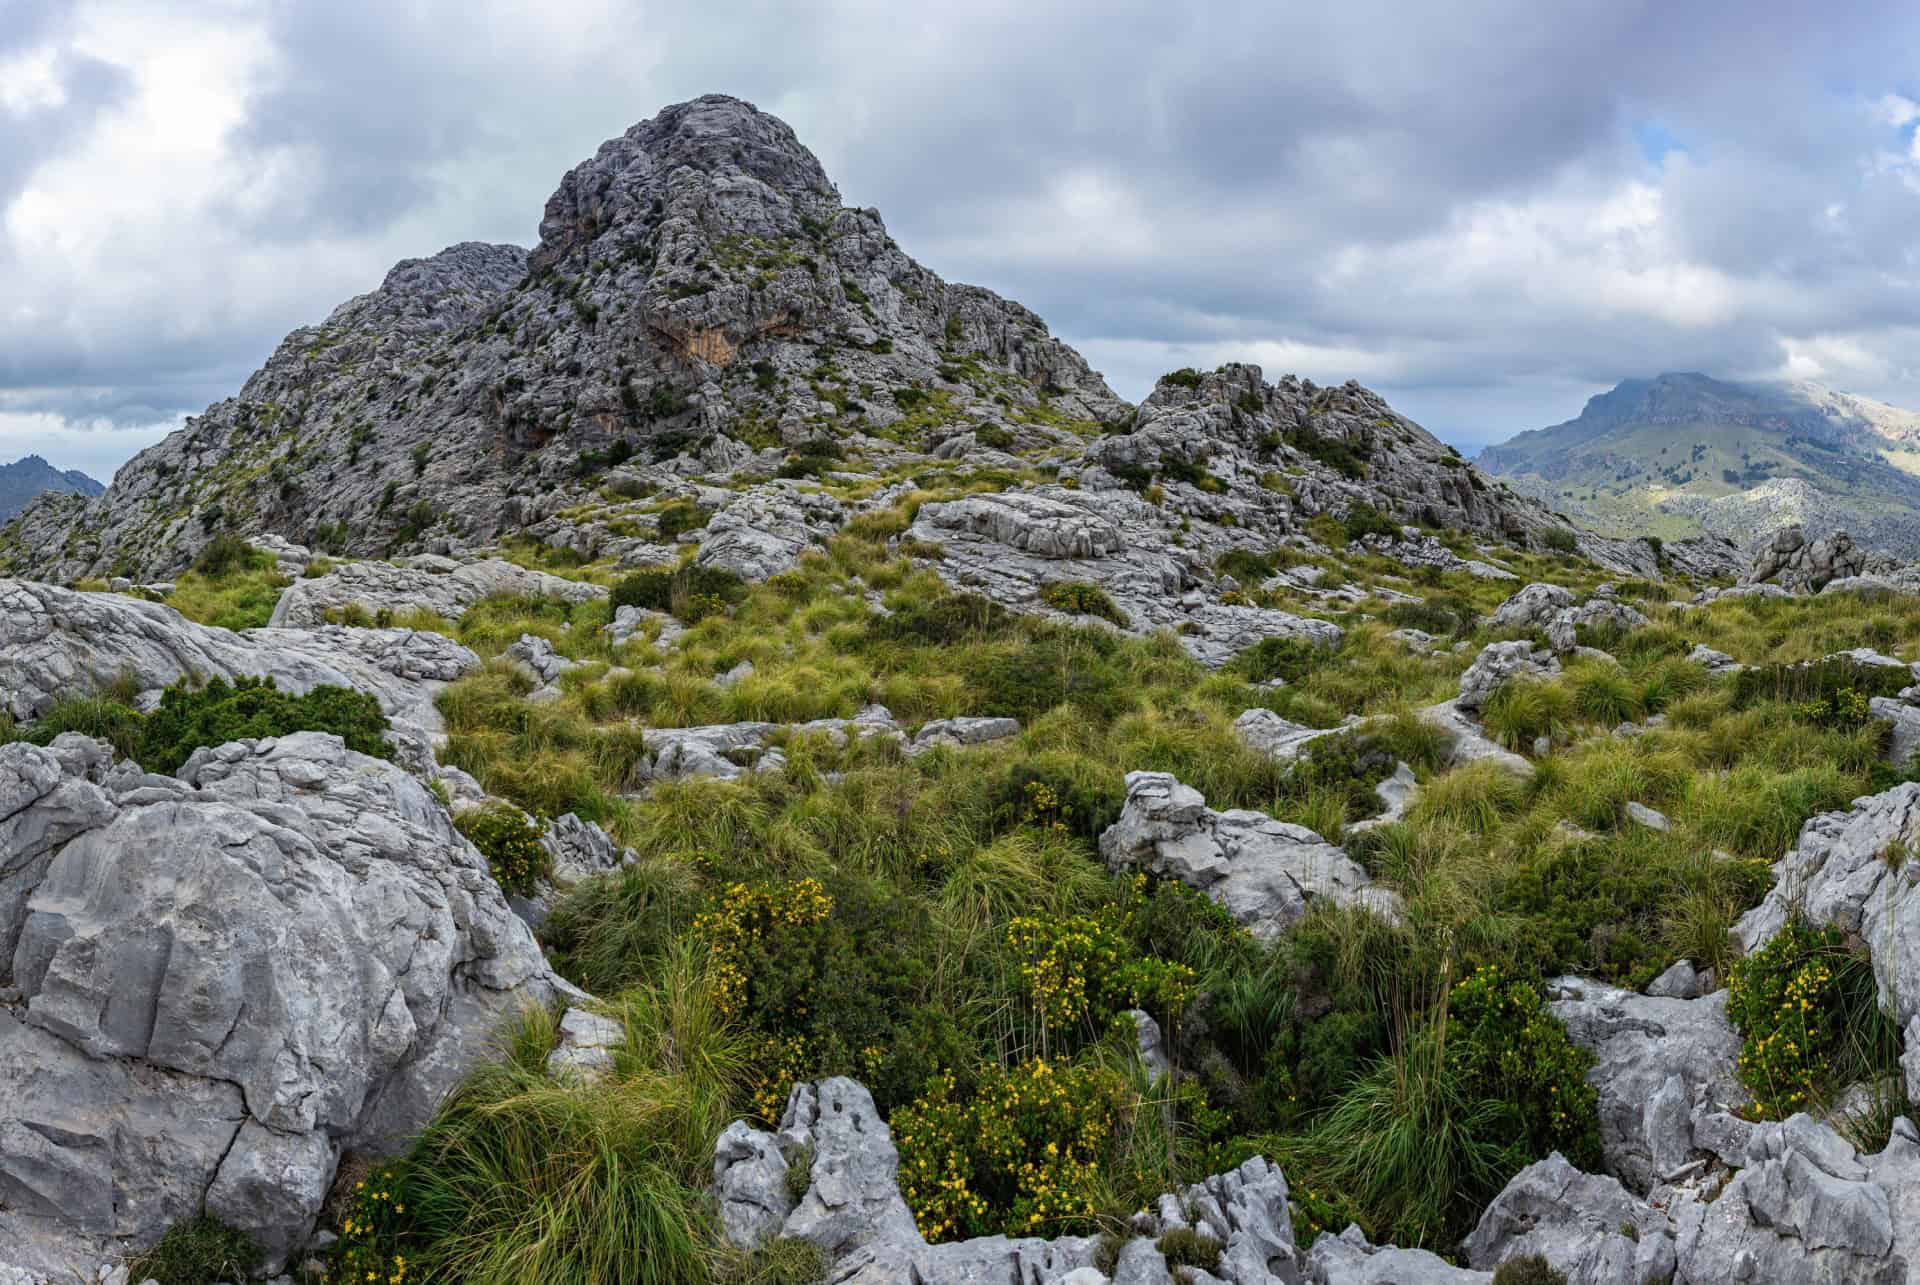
[[1276, 737], [1531, 608], [1467, 743], [581, 849], [537, 656], [1349, 1259], [1603, 611], [1264, 872], [1800, 565], [1586, 1225], [1499, 663], [1714, 662], [1661, 1068], [377, 586], [963, 732], [227, 978]]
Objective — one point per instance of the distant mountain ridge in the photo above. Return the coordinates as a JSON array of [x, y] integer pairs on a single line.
[[31, 476], [1683, 453]]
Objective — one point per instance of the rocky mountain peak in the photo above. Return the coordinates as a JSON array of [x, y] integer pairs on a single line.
[[712, 163]]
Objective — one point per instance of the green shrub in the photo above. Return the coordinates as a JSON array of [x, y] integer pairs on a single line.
[[678, 516], [1443, 617], [225, 554], [1185, 377], [1019, 1156], [100, 717], [609, 933], [945, 621], [1807, 1009], [1078, 598], [1817, 682], [1027, 679], [1364, 520], [1058, 791], [1506, 1047], [1185, 1247], [1559, 540], [1288, 659], [1347, 458], [687, 592], [511, 844], [1522, 710], [1528, 1269], [189, 718], [197, 1251]]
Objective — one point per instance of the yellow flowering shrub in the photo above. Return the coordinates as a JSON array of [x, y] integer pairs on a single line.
[[1506, 1048], [1020, 1156], [1080, 970], [1791, 1001]]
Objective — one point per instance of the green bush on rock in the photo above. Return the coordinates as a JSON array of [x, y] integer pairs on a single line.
[[197, 1251], [511, 844]]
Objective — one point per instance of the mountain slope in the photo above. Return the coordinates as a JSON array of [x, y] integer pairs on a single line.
[[1682, 453], [25, 479]]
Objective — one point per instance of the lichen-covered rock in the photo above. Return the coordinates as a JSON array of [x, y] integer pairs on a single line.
[[382, 586], [56, 642], [1801, 565], [1264, 872], [227, 978]]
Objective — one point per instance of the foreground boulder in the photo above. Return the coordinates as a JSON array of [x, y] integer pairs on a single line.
[[1265, 872], [439, 585], [1499, 663], [1586, 1225], [224, 979], [1664, 1070], [58, 642], [849, 1205], [1800, 565]]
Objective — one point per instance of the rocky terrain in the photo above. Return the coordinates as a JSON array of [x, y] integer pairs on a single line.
[[25, 479], [906, 815], [1683, 453]]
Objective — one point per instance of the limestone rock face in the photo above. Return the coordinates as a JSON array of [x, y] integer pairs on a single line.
[[1531, 608], [1665, 1073], [56, 642], [690, 272], [1807, 1207], [1264, 872], [1585, 1225], [226, 978], [377, 586], [1348, 1259]]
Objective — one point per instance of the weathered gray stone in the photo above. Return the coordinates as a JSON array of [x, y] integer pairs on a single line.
[[1531, 608], [586, 1045], [1499, 663], [537, 656], [1466, 743], [227, 976], [1285, 741], [963, 732], [1585, 1225], [377, 586], [1655, 1061], [1264, 872], [1348, 1259], [1714, 662]]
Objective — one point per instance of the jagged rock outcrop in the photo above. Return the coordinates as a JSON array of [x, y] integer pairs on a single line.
[[1264, 872], [1602, 611], [728, 751], [58, 642], [1531, 608], [851, 1207], [1350, 1259], [1585, 1225], [225, 978], [1799, 565], [1665, 1073], [429, 583]]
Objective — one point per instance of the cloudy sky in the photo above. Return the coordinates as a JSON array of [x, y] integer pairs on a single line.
[[1488, 209]]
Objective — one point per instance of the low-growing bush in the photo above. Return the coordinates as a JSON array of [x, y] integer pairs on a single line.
[[1019, 1156], [687, 592], [1185, 1247], [1364, 520], [1528, 1269], [225, 554], [1077, 597], [511, 844], [946, 620], [1807, 1009], [1816, 682], [1288, 659]]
